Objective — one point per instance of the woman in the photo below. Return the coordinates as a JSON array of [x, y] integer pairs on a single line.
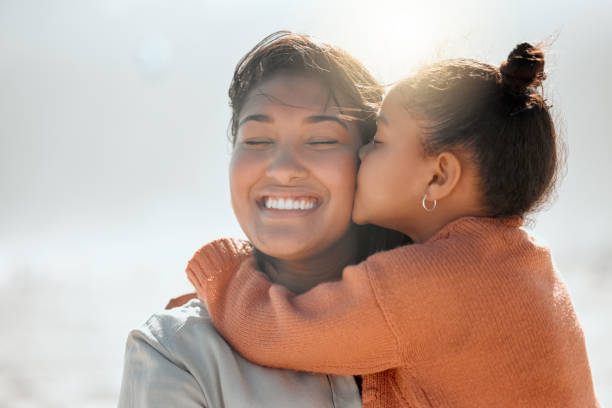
[[300, 112]]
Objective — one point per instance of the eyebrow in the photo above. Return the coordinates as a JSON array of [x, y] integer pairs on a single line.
[[323, 118], [256, 118]]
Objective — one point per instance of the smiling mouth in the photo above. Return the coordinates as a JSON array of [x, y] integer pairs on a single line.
[[290, 203]]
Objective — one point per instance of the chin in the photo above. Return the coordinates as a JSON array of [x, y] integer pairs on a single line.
[[359, 216], [289, 248], [282, 252], [359, 220]]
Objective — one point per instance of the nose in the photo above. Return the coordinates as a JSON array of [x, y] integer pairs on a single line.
[[364, 150], [286, 166]]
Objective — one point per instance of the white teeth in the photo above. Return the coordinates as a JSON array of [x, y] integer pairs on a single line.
[[289, 204]]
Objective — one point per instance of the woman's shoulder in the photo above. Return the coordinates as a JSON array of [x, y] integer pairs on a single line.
[[163, 355], [186, 337], [177, 327]]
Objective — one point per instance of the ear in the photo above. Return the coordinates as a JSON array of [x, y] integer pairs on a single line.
[[446, 174]]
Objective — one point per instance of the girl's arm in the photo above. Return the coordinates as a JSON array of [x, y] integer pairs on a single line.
[[417, 304], [336, 327], [397, 308]]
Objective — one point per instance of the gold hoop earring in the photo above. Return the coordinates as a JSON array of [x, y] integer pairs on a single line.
[[435, 203]]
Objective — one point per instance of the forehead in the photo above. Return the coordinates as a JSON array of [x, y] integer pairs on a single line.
[[293, 91], [392, 100]]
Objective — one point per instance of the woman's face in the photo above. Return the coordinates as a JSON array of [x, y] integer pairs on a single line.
[[293, 167]]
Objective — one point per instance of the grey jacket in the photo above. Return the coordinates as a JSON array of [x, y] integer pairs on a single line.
[[178, 359]]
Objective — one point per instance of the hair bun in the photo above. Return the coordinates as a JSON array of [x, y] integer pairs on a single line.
[[523, 69]]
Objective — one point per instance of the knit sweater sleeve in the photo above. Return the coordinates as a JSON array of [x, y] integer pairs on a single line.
[[394, 309], [336, 327]]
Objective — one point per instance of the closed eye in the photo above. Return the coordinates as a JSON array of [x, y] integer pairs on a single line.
[[257, 142], [324, 142]]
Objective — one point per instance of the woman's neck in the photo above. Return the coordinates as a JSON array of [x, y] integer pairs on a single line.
[[301, 275]]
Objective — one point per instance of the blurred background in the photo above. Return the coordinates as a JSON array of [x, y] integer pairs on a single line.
[[113, 157]]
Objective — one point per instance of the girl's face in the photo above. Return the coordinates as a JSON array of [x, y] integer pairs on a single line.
[[393, 175], [293, 168]]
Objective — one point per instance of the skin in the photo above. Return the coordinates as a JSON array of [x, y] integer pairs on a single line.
[[292, 143], [396, 173]]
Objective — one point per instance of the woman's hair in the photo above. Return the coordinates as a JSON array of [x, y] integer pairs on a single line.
[[350, 84], [499, 117]]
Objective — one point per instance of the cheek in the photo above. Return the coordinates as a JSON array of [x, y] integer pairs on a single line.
[[338, 174], [242, 175], [382, 183], [370, 170]]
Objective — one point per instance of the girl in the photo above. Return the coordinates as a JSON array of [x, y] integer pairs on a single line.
[[472, 314]]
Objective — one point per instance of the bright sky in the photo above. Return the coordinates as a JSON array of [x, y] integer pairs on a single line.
[[113, 115]]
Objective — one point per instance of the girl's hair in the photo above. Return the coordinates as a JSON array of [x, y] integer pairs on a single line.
[[499, 117], [350, 85]]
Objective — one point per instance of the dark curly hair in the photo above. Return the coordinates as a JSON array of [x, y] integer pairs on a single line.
[[499, 116], [343, 75]]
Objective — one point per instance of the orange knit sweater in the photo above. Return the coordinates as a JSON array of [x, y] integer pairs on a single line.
[[474, 317]]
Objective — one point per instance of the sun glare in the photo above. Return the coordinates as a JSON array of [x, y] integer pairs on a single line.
[[404, 35]]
